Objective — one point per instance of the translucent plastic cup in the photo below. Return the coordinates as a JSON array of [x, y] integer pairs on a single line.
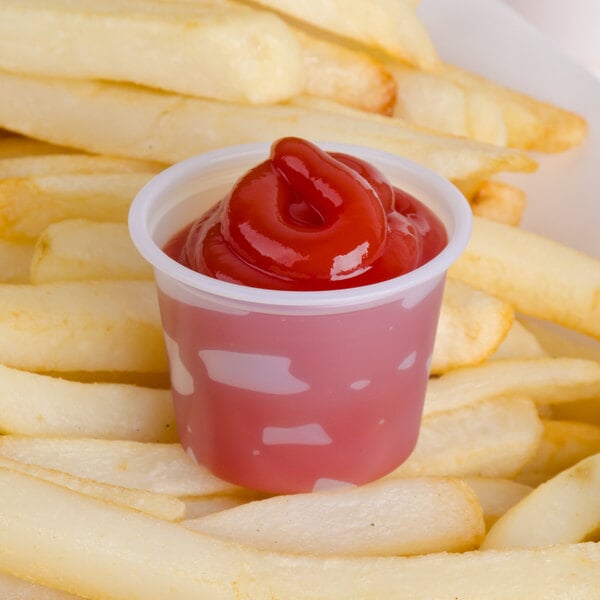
[[286, 391]]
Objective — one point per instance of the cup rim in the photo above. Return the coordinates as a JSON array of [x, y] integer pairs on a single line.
[[146, 200]]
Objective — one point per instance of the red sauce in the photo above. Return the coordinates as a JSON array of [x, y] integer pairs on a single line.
[[306, 219]]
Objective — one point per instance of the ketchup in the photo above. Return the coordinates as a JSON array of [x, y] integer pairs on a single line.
[[306, 219]]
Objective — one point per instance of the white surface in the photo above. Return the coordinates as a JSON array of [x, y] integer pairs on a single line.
[[490, 38]]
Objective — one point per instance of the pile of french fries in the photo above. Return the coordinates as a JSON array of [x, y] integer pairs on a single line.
[[501, 497]]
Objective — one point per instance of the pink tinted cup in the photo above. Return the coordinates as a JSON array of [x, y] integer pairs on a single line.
[[285, 391]]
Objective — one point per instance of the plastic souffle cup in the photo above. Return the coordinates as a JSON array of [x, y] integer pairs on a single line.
[[286, 391]]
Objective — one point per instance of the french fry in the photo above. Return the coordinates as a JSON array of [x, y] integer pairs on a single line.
[[158, 505], [470, 328], [347, 76], [40, 405], [499, 202], [453, 100], [219, 49], [431, 101], [388, 518], [17, 146], [159, 468], [563, 444], [104, 551], [530, 123], [13, 588], [496, 496], [562, 510], [15, 260], [504, 261], [76, 249], [81, 326], [586, 411], [519, 344], [64, 164], [386, 25], [28, 205], [135, 122], [201, 506], [545, 380], [490, 439]]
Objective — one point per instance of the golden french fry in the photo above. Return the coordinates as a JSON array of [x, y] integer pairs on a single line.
[[499, 202], [40, 405], [496, 496], [13, 588], [538, 276], [586, 411], [386, 25], [15, 259], [347, 76], [531, 124], [545, 380], [28, 205], [563, 444], [470, 328], [76, 249], [490, 439], [75, 163], [158, 505], [98, 117], [160, 468], [17, 146], [519, 344], [388, 518], [562, 510], [104, 551], [81, 326], [219, 49]]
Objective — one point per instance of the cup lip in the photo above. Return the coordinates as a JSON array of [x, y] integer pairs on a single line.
[[140, 212]]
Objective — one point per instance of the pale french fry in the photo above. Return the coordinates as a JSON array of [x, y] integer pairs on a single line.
[[435, 103], [17, 146], [76, 249], [490, 439], [104, 551], [562, 510], [563, 444], [538, 276], [158, 505], [219, 49], [545, 380], [28, 205], [388, 518], [386, 25], [519, 344], [496, 496], [470, 328], [530, 123], [499, 202], [81, 326], [15, 259], [13, 588], [40, 405], [159, 468], [63, 164], [347, 76], [558, 341], [99, 117]]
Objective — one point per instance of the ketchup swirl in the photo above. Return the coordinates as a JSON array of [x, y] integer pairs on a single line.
[[306, 219]]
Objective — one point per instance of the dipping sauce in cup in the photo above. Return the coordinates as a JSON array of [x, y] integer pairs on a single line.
[[296, 387]]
